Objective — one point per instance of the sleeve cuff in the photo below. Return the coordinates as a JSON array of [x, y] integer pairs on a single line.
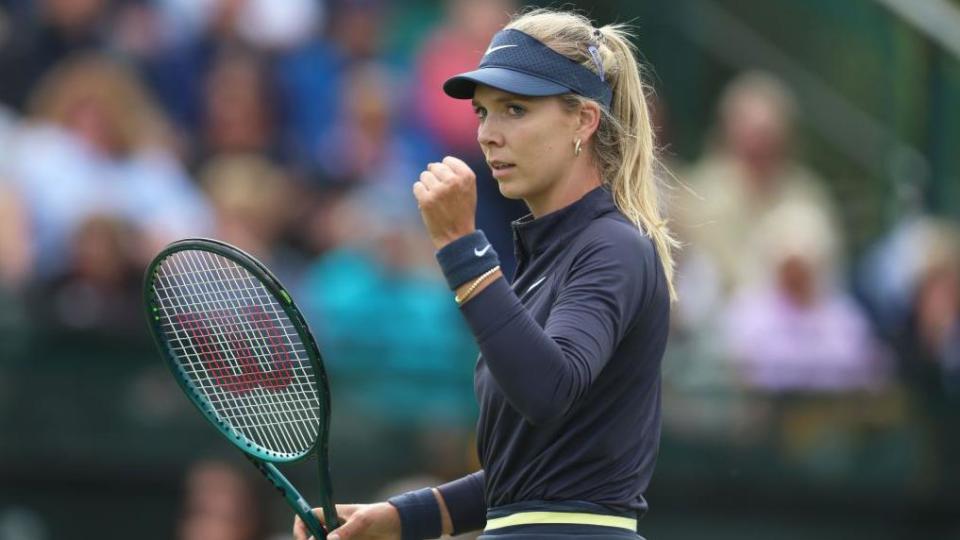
[[464, 498], [419, 514]]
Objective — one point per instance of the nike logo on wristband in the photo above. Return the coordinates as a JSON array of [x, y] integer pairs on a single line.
[[481, 252]]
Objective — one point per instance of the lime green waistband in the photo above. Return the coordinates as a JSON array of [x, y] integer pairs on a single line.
[[561, 518]]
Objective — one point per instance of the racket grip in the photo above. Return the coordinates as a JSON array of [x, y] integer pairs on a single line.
[[311, 521], [292, 496]]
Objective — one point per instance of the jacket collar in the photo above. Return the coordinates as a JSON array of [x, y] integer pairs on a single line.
[[533, 236]]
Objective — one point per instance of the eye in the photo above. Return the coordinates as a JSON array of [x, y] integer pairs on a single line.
[[480, 112], [515, 110]]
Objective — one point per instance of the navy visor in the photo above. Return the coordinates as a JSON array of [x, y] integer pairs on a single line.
[[519, 64]]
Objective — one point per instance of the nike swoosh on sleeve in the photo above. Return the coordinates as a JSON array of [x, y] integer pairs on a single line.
[[481, 252]]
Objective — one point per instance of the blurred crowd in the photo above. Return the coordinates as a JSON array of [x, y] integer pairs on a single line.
[[295, 129], [784, 337], [292, 129], [768, 287]]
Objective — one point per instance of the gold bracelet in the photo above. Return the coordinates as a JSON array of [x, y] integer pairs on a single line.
[[473, 286]]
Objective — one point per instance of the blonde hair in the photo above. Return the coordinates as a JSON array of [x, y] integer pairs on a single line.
[[133, 120], [623, 146]]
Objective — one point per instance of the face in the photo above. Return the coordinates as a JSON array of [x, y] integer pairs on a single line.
[[527, 142], [756, 132]]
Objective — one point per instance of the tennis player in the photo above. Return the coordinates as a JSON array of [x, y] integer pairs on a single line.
[[568, 378]]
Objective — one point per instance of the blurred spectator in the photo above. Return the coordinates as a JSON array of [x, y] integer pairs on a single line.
[[794, 329], [238, 108], [99, 290], [928, 339], [252, 199], [272, 26], [16, 255], [311, 77], [15, 271], [105, 152], [177, 43], [748, 175], [220, 503], [369, 301], [455, 46], [365, 145], [173, 52], [16, 252], [46, 34]]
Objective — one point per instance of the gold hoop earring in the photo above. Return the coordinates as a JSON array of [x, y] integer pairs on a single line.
[[576, 147]]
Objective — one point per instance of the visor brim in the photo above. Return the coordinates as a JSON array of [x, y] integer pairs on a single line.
[[462, 86]]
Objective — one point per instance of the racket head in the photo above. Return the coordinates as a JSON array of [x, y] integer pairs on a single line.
[[239, 348]]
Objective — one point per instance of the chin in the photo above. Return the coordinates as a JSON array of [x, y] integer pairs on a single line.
[[510, 190]]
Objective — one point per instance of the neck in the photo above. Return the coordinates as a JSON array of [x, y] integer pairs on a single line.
[[577, 183]]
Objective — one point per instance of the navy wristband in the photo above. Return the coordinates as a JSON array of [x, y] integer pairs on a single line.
[[465, 258], [419, 514]]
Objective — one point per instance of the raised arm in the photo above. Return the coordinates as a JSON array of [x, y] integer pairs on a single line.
[[544, 370]]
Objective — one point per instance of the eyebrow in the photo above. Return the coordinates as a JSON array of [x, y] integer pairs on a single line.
[[503, 99]]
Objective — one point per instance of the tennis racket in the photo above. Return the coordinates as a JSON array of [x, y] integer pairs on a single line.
[[242, 352]]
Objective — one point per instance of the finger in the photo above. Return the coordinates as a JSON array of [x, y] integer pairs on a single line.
[[354, 526], [299, 529], [457, 165], [429, 181], [345, 511], [442, 172], [419, 191]]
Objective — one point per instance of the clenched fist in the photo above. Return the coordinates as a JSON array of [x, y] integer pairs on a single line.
[[447, 196]]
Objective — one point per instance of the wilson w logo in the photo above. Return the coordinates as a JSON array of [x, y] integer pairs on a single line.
[[235, 347]]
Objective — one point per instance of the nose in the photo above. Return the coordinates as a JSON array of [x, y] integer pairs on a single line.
[[489, 134]]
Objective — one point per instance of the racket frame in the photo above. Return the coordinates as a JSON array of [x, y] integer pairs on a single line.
[[262, 458]]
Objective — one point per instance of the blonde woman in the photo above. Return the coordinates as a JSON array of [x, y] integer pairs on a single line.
[[106, 151], [568, 378]]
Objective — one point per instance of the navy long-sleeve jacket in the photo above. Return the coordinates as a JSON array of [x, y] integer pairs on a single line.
[[568, 378]]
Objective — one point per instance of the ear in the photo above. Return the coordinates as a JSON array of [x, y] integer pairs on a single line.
[[588, 120]]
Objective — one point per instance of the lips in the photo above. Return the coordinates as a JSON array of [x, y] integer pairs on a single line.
[[500, 165], [501, 169]]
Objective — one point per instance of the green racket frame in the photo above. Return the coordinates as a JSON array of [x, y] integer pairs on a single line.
[[262, 458]]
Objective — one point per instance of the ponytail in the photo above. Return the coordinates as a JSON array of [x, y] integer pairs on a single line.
[[623, 145]]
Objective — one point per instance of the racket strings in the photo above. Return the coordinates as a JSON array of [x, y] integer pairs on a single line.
[[239, 349], [223, 396], [260, 422], [231, 273]]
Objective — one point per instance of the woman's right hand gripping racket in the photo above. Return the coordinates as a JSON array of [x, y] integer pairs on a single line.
[[243, 354]]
